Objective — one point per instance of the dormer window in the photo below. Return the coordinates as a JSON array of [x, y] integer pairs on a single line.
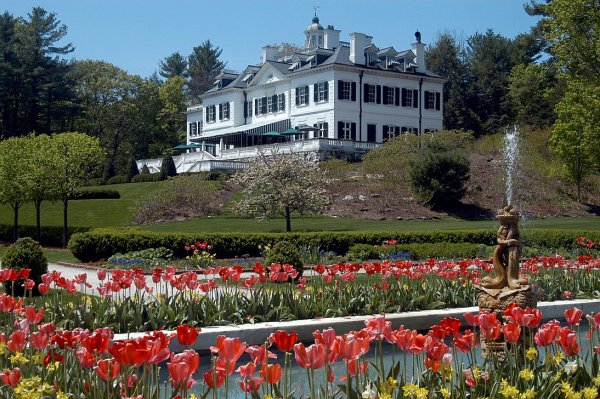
[[247, 78]]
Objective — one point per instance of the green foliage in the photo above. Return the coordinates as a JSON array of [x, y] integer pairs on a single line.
[[132, 169], [438, 175], [118, 179], [172, 66], [25, 253], [179, 197], [533, 94], [99, 244], [145, 177], [145, 170], [203, 68], [418, 251], [576, 137], [145, 259], [87, 194], [50, 235], [284, 252], [167, 167]]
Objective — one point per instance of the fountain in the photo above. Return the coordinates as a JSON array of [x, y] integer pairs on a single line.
[[496, 293], [511, 158]]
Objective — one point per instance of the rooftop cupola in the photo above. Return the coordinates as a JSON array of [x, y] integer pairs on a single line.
[[314, 34]]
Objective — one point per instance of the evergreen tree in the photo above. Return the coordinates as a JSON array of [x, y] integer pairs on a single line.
[[167, 167], [132, 168], [203, 67], [172, 66]]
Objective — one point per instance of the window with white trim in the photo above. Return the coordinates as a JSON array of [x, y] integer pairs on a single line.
[[224, 111], [210, 113], [249, 108], [323, 129], [429, 100], [347, 130], [260, 105], [281, 102], [408, 97], [269, 104], [390, 131], [391, 95], [346, 90], [371, 94], [322, 91], [302, 95]]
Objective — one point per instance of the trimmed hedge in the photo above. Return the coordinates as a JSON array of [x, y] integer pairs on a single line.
[[145, 177], [118, 179], [83, 194], [51, 235], [103, 243]]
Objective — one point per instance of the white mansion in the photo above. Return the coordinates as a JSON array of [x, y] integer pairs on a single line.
[[332, 98]]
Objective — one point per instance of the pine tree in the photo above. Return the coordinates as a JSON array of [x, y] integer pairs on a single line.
[[167, 167], [203, 67]]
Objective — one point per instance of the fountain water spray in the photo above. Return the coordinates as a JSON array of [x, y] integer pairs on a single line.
[[511, 158]]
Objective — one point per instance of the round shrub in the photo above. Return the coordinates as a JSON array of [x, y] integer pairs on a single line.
[[25, 253], [285, 252], [118, 179], [145, 177]]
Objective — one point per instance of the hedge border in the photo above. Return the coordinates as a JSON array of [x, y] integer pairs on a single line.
[[51, 235], [102, 243]]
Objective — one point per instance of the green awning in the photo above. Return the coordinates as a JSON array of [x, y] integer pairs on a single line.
[[187, 146], [272, 134]]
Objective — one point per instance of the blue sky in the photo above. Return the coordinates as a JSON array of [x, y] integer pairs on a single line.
[[136, 34]]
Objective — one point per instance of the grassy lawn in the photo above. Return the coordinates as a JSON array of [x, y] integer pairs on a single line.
[[323, 223], [99, 213]]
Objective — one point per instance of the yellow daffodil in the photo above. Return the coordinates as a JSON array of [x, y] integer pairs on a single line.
[[19, 358], [531, 354], [526, 374]]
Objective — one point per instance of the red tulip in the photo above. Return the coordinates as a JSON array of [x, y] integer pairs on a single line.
[[327, 337], [567, 339], [314, 356], [43, 289], [247, 370], [404, 338], [435, 348], [350, 347], [101, 274], [24, 274], [17, 341], [547, 333], [418, 343], [283, 340], [573, 316], [450, 325], [487, 320], [187, 335], [229, 349], [491, 332], [85, 357], [214, 378], [466, 341], [259, 353], [38, 340], [471, 319], [511, 332], [108, 369], [250, 384], [98, 341], [10, 377], [379, 328], [32, 316], [271, 373]]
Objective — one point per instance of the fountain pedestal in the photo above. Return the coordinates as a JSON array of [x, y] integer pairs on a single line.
[[507, 287]]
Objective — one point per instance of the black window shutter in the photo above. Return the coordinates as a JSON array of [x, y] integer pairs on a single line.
[[415, 98], [282, 102], [297, 95], [426, 104], [397, 96], [403, 97], [274, 101], [256, 106], [326, 91], [245, 109], [220, 111], [385, 94], [353, 91], [340, 132], [437, 100], [326, 128], [366, 91], [353, 131], [264, 105], [340, 89], [206, 117], [316, 92], [378, 94]]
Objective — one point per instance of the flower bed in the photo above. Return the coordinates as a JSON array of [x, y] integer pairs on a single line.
[[37, 359]]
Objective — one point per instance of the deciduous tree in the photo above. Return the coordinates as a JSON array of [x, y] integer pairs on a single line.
[[14, 188], [280, 185]]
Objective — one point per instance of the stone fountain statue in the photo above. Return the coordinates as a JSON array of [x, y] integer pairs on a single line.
[[506, 287], [507, 253]]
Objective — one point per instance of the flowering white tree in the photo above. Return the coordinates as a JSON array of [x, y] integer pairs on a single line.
[[279, 185]]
